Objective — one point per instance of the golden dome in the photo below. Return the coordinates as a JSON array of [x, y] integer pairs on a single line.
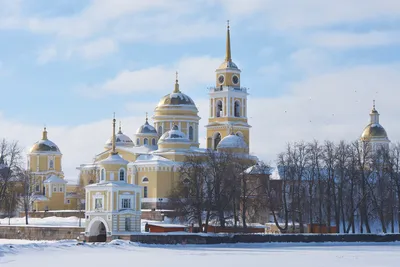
[[176, 98], [374, 130], [44, 145]]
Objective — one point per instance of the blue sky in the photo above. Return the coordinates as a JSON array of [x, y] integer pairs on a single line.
[[71, 64]]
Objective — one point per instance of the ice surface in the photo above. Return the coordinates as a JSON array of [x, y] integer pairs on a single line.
[[67, 253]]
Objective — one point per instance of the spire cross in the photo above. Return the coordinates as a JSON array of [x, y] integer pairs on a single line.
[[227, 23], [373, 103], [146, 117], [113, 152], [176, 76]]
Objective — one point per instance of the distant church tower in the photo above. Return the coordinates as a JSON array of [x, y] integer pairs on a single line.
[[228, 103], [374, 133]]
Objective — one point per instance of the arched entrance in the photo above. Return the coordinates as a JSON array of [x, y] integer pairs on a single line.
[[97, 231]]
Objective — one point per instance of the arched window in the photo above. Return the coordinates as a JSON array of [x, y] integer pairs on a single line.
[[239, 134], [159, 131], [137, 141], [191, 133], [145, 191], [219, 108], [145, 141], [237, 108], [153, 142], [102, 175], [145, 180], [217, 139], [51, 164], [122, 175]]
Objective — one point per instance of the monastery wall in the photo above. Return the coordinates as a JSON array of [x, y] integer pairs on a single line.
[[39, 233]]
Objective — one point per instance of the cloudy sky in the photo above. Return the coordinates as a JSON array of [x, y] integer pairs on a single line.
[[313, 67]]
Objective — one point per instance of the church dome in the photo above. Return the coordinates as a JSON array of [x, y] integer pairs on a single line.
[[176, 98], [146, 128], [120, 140], [173, 135], [374, 131], [44, 145], [228, 64], [232, 141]]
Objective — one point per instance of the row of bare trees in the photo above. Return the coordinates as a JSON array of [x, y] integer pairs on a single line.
[[353, 186], [218, 187], [16, 183]]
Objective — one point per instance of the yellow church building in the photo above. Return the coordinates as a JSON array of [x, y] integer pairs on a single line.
[[155, 153]]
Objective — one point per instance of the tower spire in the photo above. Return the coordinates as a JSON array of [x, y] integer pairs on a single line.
[[44, 136], [228, 56], [147, 119], [113, 137], [176, 83]]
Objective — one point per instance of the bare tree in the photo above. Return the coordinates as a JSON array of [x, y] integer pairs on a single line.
[[11, 160], [27, 182]]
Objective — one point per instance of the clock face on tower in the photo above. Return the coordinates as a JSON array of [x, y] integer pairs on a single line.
[[235, 79], [221, 79]]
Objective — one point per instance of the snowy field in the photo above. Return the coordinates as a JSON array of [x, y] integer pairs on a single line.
[[66, 253]]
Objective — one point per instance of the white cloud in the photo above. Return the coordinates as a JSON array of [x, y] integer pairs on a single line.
[[97, 48], [193, 71], [345, 40], [289, 14], [46, 55]]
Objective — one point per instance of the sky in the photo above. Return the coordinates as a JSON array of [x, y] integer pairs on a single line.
[[312, 67]]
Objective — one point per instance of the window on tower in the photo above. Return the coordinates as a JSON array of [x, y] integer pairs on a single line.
[[122, 175], [145, 191], [102, 175], [137, 141], [191, 133], [219, 108], [237, 109], [51, 164], [159, 131], [145, 141], [217, 139], [153, 142]]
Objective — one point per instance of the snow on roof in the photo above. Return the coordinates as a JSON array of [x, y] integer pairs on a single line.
[[114, 159], [174, 135], [258, 169], [39, 198], [120, 140], [146, 128], [149, 158], [169, 225], [112, 184], [133, 150], [45, 145], [232, 141], [54, 179]]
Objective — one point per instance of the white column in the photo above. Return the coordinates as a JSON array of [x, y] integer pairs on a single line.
[[242, 108]]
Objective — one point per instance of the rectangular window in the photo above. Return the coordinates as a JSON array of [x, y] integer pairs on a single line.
[[145, 191], [68, 201], [37, 189], [98, 203], [61, 189], [126, 203], [54, 189], [127, 224]]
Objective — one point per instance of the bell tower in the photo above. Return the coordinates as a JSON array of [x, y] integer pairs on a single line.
[[228, 102]]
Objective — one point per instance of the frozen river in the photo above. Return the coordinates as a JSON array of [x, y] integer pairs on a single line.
[[15, 253]]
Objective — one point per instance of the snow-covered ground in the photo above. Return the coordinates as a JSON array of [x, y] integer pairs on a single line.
[[57, 222], [49, 221], [66, 253]]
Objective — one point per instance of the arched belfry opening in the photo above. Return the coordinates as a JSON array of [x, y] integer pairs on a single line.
[[237, 109], [219, 109], [97, 232]]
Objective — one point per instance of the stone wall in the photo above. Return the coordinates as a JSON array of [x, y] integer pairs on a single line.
[[256, 238], [39, 233], [45, 214]]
